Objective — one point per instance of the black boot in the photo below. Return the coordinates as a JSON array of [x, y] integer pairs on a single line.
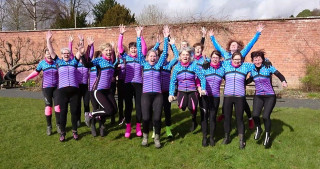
[[267, 140], [258, 133], [212, 142], [204, 141], [226, 139], [194, 124], [93, 127], [242, 143]]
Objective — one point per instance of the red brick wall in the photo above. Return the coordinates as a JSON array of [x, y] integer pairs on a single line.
[[286, 42]]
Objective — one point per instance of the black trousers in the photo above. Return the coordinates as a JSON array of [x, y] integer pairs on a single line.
[[267, 103], [152, 102], [133, 89]]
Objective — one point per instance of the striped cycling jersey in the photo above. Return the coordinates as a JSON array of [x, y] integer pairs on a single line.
[[213, 80], [262, 80], [151, 73], [67, 72], [82, 74], [50, 73], [186, 78], [105, 72], [166, 70], [227, 55], [235, 78], [133, 69]]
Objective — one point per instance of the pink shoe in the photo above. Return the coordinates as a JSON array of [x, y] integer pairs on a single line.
[[128, 131], [251, 124], [138, 130], [220, 118]]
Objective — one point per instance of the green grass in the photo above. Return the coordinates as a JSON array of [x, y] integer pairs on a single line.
[[24, 144]]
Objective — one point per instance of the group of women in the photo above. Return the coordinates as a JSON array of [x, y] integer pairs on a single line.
[[154, 82]]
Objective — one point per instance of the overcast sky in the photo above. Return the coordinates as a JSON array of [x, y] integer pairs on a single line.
[[226, 9]]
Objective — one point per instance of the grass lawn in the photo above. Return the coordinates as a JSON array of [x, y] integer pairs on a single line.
[[24, 143]]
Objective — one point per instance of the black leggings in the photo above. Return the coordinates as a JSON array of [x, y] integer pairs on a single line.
[[246, 109], [133, 89], [167, 108], [211, 106], [85, 96], [266, 102], [69, 95], [121, 95], [152, 102], [238, 103], [188, 99], [104, 99], [48, 94]]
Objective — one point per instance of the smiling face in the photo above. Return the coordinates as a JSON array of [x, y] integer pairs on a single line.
[[48, 56], [184, 57], [236, 60], [152, 58], [107, 52], [233, 47], [257, 61], [133, 51], [65, 55], [215, 59], [197, 50]]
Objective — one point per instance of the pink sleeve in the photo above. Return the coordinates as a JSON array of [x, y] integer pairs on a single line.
[[32, 75], [120, 47], [91, 51], [70, 48], [198, 84], [144, 46]]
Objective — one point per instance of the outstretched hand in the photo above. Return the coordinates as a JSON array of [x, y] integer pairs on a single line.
[[90, 40], [204, 31], [211, 33], [49, 35], [172, 40], [122, 29], [139, 30], [166, 31], [260, 27], [71, 38]]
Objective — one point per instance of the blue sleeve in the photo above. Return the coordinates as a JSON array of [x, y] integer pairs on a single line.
[[163, 56], [123, 56], [175, 51], [246, 49], [218, 47], [115, 62], [173, 82], [141, 59], [39, 67], [156, 46], [272, 69], [201, 77]]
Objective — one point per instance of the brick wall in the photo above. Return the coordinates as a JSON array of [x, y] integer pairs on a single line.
[[287, 41]]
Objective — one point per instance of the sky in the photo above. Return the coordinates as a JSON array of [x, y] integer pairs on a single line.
[[225, 9]]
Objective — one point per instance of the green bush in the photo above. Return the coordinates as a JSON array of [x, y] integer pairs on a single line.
[[312, 79]]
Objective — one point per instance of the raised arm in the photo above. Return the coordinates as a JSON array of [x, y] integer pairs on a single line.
[[204, 33], [122, 30], [216, 44], [173, 82], [49, 45], [144, 46], [163, 57], [249, 46], [139, 48]]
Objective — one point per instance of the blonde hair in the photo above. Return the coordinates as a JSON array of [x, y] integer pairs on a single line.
[[105, 45], [189, 50]]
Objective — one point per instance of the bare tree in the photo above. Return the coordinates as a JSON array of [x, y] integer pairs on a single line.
[[15, 16], [152, 15], [14, 54], [3, 11], [39, 10]]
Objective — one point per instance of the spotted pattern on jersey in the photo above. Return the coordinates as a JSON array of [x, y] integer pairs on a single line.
[[186, 78], [262, 80], [213, 78], [105, 72], [235, 78], [50, 74], [166, 69]]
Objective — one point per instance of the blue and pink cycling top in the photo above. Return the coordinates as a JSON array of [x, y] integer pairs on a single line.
[[262, 79], [151, 73], [227, 55], [166, 69], [50, 73], [82, 73], [214, 78], [235, 79], [67, 71], [186, 76]]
